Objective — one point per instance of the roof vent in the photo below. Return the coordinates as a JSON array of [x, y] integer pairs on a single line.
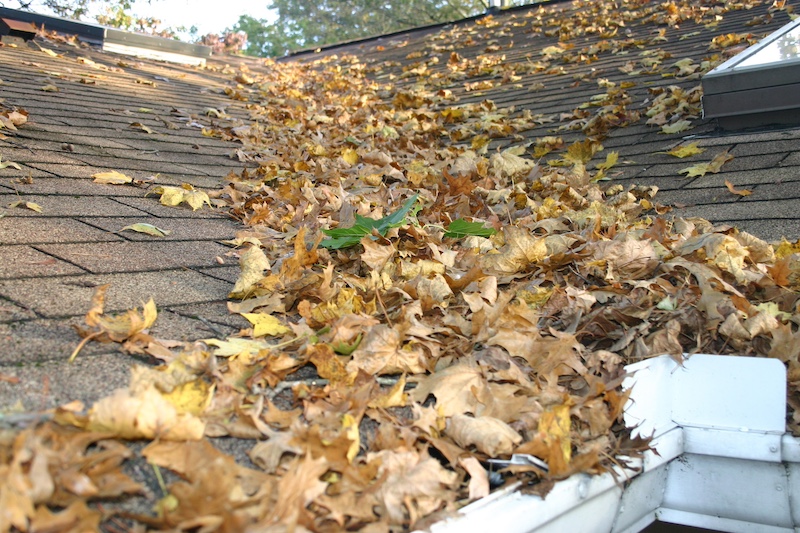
[[16, 29], [758, 87]]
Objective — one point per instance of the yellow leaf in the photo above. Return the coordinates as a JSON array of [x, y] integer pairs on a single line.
[[264, 324], [350, 426], [681, 125], [394, 397], [582, 151], [50, 88], [149, 229], [112, 178], [740, 192], [237, 347], [521, 249], [174, 196], [350, 156], [27, 205], [554, 427], [5, 164], [145, 415], [713, 166], [611, 160], [192, 397], [686, 150], [252, 263]]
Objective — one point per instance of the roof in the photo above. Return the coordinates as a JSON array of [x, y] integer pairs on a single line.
[[551, 83], [501, 59]]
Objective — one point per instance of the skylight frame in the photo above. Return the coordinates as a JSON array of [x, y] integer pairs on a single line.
[[751, 91]]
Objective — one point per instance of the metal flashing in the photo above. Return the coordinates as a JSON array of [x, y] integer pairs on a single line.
[[758, 87]]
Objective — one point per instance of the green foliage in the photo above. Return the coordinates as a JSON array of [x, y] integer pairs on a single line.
[[346, 237], [312, 24], [460, 228]]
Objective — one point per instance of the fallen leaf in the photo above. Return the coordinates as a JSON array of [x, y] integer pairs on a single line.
[[677, 127], [740, 192], [264, 324], [174, 196], [489, 435], [112, 178], [6, 164], [149, 229], [253, 263], [686, 150], [146, 415], [713, 166], [27, 205]]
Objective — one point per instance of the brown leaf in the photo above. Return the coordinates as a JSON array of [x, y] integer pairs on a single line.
[[521, 249], [489, 435], [740, 192]]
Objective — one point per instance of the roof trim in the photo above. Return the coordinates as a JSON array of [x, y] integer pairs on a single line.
[[114, 40]]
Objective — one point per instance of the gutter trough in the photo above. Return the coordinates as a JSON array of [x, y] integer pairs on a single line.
[[117, 41], [720, 459]]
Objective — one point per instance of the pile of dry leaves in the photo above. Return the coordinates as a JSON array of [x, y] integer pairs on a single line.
[[419, 304]]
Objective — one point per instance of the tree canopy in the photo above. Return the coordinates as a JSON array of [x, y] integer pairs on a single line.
[[312, 24]]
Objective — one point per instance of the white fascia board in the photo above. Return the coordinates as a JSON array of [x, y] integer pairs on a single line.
[[158, 55], [720, 459]]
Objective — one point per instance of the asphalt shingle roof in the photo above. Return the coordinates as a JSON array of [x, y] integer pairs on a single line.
[[159, 123], [503, 57]]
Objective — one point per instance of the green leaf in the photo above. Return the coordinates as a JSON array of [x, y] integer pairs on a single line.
[[346, 237], [460, 228]]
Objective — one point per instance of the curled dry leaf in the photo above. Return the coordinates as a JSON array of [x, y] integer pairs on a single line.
[[253, 263], [521, 249], [489, 435]]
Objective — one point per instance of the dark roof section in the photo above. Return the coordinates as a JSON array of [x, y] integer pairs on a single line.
[[116, 40], [577, 72]]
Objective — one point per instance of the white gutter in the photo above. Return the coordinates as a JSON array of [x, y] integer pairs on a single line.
[[723, 459]]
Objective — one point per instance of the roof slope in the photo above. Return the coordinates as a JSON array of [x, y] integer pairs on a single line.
[[589, 68], [91, 112]]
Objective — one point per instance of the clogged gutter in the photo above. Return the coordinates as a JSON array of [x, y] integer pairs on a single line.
[[440, 349]]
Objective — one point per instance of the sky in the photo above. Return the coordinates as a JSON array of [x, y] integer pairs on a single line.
[[210, 16]]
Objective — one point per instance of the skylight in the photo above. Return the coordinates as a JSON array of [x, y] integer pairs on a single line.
[[760, 86]]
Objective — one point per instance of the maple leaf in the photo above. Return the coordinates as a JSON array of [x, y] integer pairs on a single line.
[[713, 166], [174, 196], [264, 324], [120, 328], [521, 249], [146, 414], [677, 127], [685, 150]]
